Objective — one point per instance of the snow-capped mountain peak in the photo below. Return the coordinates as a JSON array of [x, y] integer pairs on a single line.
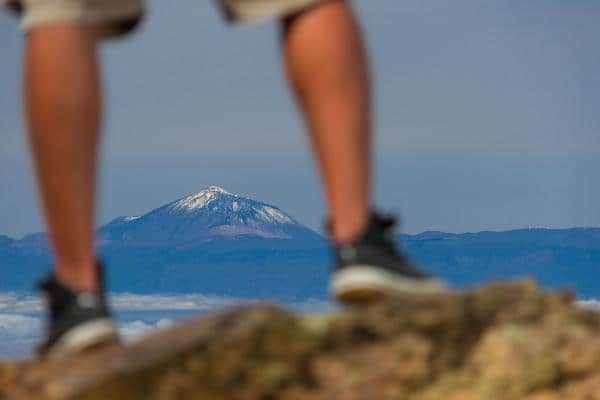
[[210, 213], [201, 199], [237, 208]]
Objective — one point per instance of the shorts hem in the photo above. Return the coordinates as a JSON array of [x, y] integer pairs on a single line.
[[119, 16], [253, 11]]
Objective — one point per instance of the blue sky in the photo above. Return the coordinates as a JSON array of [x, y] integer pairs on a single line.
[[486, 115]]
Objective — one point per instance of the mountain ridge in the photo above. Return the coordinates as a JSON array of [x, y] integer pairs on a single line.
[[242, 249], [424, 235]]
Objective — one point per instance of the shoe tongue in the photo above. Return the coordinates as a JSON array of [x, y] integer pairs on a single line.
[[376, 226], [385, 221], [378, 230]]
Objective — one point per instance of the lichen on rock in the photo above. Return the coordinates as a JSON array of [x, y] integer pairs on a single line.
[[503, 341]]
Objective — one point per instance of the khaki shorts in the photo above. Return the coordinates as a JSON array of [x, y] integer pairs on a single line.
[[121, 16]]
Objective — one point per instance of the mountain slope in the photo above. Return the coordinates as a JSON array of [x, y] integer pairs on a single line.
[[204, 216]]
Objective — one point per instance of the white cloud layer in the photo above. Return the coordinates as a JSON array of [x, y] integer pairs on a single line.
[[591, 304], [14, 326], [21, 323], [158, 302], [138, 328], [17, 303]]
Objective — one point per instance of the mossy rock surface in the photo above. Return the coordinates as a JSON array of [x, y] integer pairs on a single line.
[[503, 341]]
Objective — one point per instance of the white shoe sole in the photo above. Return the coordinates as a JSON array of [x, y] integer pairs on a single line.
[[367, 282], [84, 336]]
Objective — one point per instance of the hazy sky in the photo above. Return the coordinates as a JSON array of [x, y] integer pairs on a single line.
[[487, 115]]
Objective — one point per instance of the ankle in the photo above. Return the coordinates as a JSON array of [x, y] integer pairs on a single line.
[[80, 277], [347, 229]]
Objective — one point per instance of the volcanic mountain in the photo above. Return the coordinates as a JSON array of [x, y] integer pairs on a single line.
[[205, 216], [216, 242], [212, 241]]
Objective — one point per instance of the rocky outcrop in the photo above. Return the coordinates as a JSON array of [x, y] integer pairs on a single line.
[[504, 341]]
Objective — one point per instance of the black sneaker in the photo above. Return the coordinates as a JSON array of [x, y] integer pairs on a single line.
[[372, 267], [14, 5], [77, 320]]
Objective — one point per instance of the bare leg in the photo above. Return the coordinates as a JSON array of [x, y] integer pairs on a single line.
[[62, 93], [327, 65]]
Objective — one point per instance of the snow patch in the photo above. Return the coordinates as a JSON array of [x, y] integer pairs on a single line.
[[217, 189], [270, 214], [200, 199]]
